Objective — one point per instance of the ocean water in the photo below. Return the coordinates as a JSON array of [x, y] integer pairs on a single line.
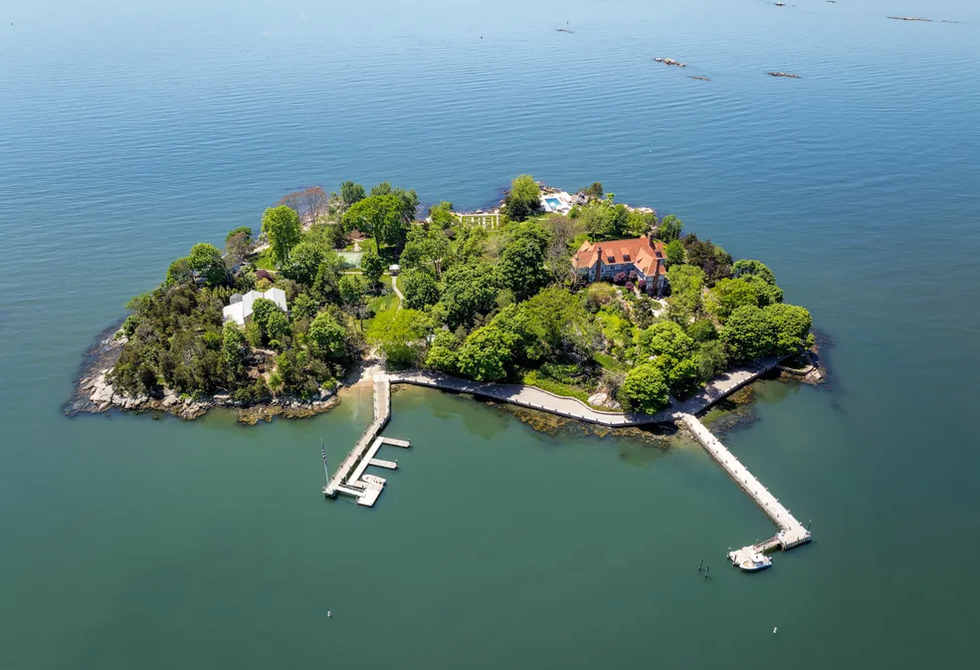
[[128, 132]]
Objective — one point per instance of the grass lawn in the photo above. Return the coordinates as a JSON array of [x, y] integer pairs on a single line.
[[264, 261], [383, 303], [608, 362]]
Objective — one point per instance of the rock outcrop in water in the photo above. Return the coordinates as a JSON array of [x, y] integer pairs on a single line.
[[784, 74], [910, 18], [670, 61]]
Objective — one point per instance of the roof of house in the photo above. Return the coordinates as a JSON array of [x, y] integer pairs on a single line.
[[642, 252], [240, 307]]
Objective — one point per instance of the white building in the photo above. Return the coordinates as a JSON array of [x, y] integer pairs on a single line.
[[240, 307]]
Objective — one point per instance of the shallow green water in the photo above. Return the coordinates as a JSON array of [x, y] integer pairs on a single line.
[[128, 132]]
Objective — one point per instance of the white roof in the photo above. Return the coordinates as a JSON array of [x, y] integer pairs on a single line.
[[239, 311]]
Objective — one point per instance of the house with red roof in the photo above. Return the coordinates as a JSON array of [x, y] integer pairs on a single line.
[[601, 261]]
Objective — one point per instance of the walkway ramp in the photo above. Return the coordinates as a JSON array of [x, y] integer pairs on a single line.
[[792, 533]]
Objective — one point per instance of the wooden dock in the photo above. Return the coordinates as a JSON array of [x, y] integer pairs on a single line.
[[350, 478], [791, 533]]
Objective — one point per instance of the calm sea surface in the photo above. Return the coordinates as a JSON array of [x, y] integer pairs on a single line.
[[129, 132]]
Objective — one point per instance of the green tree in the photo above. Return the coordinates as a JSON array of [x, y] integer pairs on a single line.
[[327, 338], [398, 334], [243, 231], [791, 325], [748, 334], [425, 249], [670, 228], [675, 253], [522, 268], [594, 191], [469, 290], [207, 262], [712, 360], [523, 199], [352, 290], [233, 345], [420, 289], [605, 220], [303, 263], [715, 261], [303, 307], [442, 215], [442, 353], [277, 327], [767, 293], [730, 294], [372, 266], [281, 226], [351, 193], [384, 188], [644, 390], [381, 217], [262, 311], [559, 321], [681, 375], [486, 354], [666, 338], [702, 331], [750, 267], [685, 279], [180, 272]]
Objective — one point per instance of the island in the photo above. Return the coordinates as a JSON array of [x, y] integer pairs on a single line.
[[575, 294]]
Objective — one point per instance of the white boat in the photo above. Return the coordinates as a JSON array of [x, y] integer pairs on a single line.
[[753, 562]]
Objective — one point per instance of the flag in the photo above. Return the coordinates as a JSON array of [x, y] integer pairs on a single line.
[[324, 452]]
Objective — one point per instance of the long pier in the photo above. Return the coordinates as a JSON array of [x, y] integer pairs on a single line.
[[349, 479], [791, 533]]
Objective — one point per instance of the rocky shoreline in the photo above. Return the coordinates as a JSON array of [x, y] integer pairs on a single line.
[[94, 394]]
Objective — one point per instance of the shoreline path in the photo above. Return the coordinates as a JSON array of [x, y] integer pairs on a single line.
[[572, 408]]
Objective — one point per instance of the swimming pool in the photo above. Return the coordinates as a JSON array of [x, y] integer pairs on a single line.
[[553, 203]]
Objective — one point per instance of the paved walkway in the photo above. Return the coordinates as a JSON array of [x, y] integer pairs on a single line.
[[572, 408], [394, 285]]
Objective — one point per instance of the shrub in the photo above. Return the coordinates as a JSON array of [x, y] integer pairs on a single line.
[[619, 278], [264, 274], [644, 390]]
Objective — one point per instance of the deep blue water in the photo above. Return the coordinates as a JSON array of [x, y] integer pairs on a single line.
[[130, 132]]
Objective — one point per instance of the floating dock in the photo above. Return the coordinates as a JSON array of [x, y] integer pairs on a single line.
[[791, 533], [350, 478]]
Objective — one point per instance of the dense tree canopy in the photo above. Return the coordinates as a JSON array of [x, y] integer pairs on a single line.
[[373, 266], [420, 289], [282, 228], [748, 334], [379, 216], [207, 262], [399, 334], [425, 250], [351, 193], [486, 304], [523, 199], [670, 228], [644, 390]]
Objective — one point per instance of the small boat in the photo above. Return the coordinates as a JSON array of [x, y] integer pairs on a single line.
[[753, 562]]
